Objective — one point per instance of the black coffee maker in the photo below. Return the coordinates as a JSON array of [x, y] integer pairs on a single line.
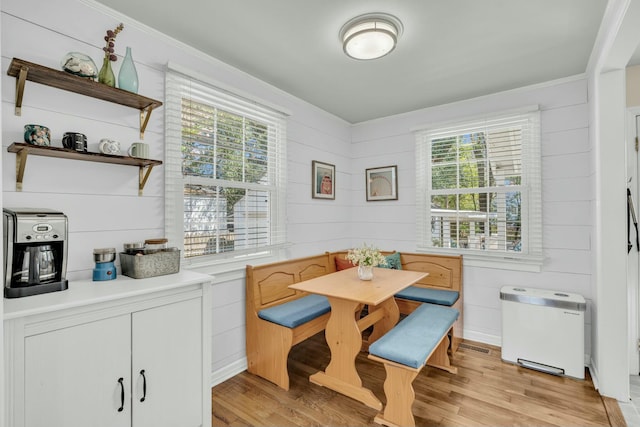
[[35, 251]]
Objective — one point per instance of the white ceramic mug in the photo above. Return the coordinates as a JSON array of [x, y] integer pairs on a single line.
[[109, 146], [139, 149]]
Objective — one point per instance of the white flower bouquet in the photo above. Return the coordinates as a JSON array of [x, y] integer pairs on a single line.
[[368, 256]]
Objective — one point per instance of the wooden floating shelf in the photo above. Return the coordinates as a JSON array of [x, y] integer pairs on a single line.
[[23, 70], [23, 150]]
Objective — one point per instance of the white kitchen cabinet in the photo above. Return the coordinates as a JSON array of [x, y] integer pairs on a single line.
[[133, 353], [167, 346], [68, 383]]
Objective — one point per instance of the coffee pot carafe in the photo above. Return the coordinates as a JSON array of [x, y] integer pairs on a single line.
[[35, 251], [38, 266]]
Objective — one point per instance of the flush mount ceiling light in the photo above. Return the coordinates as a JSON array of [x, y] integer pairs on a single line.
[[370, 36]]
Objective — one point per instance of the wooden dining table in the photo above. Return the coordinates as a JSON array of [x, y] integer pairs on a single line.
[[346, 294]]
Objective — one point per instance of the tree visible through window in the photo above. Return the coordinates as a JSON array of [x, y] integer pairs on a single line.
[[231, 170], [478, 186]]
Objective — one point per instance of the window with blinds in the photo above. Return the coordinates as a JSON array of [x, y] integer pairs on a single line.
[[479, 187], [225, 175]]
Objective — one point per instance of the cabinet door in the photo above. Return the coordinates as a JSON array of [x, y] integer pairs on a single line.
[[71, 375], [167, 345]]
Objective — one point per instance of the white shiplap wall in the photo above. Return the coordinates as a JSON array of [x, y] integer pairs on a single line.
[[104, 209], [101, 200], [567, 195]]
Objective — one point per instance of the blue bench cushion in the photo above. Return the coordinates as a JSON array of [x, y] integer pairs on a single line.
[[413, 338], [296, 312], [434, 296]]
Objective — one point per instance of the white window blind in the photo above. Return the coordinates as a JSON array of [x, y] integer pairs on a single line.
[[479, 187], [225, 171]]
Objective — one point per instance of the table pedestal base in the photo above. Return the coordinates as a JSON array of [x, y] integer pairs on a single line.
[[358, 393], [344, 338]]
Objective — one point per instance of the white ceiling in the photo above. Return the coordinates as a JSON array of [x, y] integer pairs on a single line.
[[450, 49]]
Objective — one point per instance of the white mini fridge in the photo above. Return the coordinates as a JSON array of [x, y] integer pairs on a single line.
[[543, 330]]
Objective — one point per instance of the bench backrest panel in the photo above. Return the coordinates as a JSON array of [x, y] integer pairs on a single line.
[[445, 271], [268, 284], [312, 271], [274, 287], [343, 255]]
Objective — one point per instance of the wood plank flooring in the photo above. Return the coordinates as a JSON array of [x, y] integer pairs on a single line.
[[485, 392]]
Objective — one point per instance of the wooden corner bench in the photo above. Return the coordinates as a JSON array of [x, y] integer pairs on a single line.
[[277, 317]]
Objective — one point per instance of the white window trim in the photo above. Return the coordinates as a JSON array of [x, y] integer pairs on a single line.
[[174, 199], [531, 217]]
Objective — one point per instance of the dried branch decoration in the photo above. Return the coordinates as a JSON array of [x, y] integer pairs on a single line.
[[110, 38]]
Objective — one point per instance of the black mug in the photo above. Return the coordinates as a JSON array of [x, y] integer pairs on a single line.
[[75, 141]]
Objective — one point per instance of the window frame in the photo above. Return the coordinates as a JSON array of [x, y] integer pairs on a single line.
[[531, 258], [177, 80]]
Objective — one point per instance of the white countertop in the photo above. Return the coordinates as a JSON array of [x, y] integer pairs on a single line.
[[85, 292]]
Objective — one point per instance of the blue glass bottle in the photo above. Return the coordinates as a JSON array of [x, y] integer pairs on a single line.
[[128, 76]]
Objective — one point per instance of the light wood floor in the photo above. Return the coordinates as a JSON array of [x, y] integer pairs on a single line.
[[486, 391]]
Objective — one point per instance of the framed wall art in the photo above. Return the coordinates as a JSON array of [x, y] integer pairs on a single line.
[[382, 183], [323, 180]]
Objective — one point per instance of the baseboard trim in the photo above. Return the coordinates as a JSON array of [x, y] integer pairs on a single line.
[[231, 370], [497, 341], [483, 338], [594, 375]]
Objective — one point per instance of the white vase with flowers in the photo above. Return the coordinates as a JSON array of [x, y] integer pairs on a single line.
[[366, 257]]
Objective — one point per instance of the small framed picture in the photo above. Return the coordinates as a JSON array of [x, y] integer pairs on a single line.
[[323, 180], [382, 183]]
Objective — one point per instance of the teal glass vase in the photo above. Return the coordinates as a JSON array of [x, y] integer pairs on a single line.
[[128, 76]]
